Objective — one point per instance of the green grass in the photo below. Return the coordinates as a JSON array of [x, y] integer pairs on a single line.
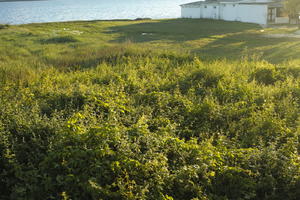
[[194, 109], [208, 39]]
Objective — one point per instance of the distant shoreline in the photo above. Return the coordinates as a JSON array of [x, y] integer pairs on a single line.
[[95, 20], [19, 0]]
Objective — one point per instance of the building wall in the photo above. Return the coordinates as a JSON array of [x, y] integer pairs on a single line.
[[229, 12], [281, 20], [253, 13], [190, 12], [210, 11]]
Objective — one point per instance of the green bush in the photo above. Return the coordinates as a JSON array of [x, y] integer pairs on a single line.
[[265, 75], [3, 26], [59, 40], [148, 125]]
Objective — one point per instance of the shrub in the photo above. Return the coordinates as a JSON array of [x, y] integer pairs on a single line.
[[266, 76], [3, 26], [59, 40], [123, 124]]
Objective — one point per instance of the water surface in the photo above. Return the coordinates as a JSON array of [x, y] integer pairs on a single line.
[[22, 12]]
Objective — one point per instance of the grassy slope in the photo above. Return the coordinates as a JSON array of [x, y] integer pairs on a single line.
[[208, 39], [96, 110]]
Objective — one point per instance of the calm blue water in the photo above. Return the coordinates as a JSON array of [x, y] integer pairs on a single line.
[[22, 12]]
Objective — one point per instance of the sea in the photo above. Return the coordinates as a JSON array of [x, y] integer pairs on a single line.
[[26, 11]]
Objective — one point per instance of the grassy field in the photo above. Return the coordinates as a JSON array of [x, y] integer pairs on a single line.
[[159, 109], [208, 39]]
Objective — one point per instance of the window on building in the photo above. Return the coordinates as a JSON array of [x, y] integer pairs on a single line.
[[280, 12], [215, 7], [205, 6]]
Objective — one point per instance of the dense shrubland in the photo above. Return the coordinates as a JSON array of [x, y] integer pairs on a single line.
[[118, 124]]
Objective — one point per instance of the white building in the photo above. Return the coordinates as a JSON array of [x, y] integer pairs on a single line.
[[252, 11]]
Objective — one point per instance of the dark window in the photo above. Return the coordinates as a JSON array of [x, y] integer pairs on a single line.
[[215, 6], [280, 12], [205, 6], [271, 14]]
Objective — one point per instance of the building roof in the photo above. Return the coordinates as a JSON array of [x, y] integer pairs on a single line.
[[256, 1], [270, 3], [274, 3], [193, 3], [207, 2]]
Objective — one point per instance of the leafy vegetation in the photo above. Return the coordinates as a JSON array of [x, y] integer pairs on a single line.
[[100, 117], [292, 7], [3, 26], [57, 40]]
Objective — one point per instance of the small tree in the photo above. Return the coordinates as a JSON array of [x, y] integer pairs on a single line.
[[292, 7]]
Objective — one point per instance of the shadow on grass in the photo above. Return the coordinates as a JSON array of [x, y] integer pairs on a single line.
[[211, 39], [236, 46], [177, 30], [59, 40], [83, 58], [87, 58]]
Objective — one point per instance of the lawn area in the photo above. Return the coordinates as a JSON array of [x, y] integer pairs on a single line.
[[208, 39]]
